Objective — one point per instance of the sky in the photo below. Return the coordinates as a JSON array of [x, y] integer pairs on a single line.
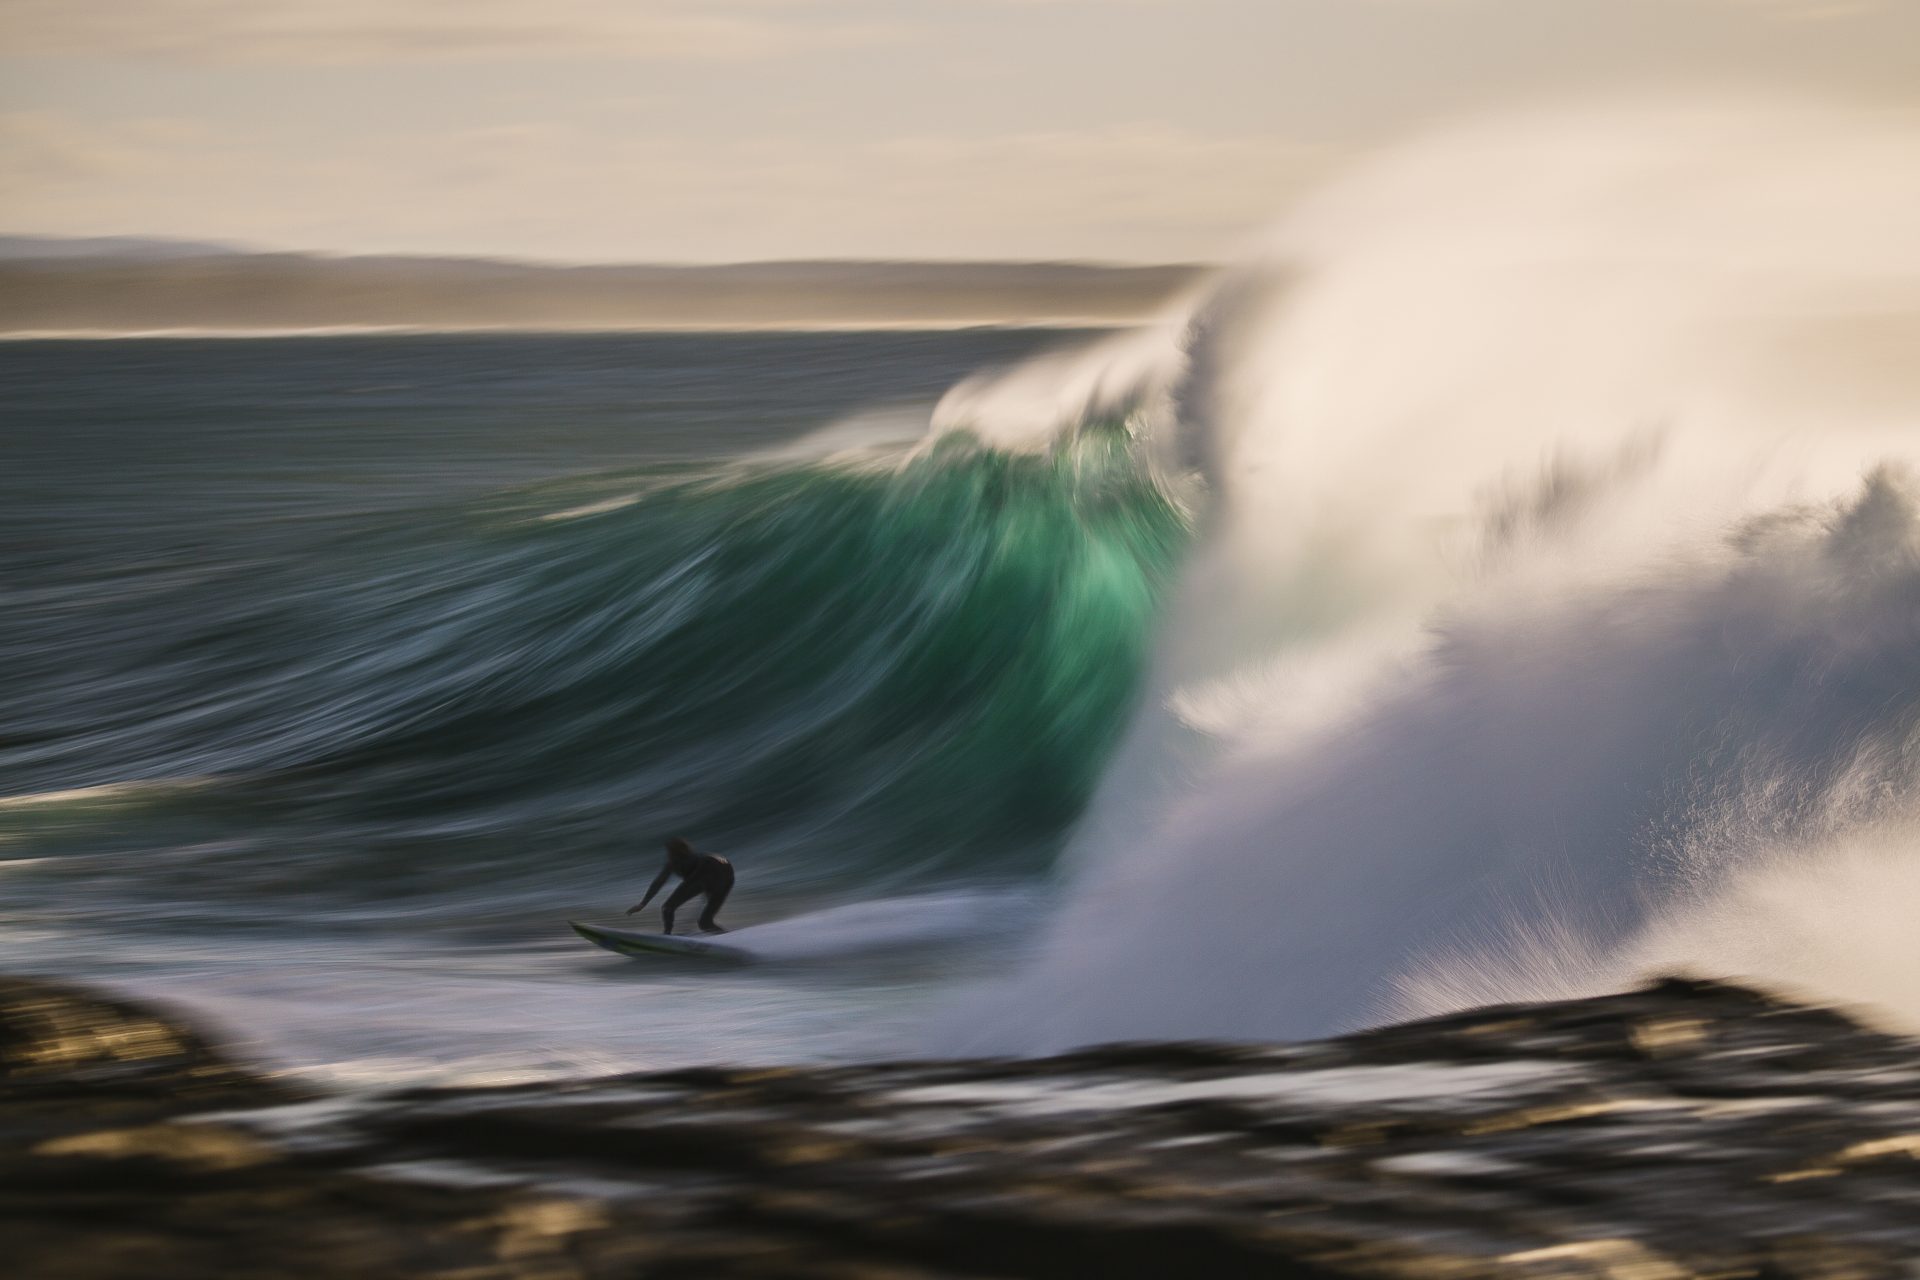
[[730, 130]]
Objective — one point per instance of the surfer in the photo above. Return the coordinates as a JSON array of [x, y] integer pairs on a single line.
[[699, 873]]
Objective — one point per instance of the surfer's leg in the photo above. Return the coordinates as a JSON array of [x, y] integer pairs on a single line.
[[714, 898], [678, 898]]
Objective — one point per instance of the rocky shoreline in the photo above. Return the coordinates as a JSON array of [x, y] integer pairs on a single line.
[[1689, 1129]]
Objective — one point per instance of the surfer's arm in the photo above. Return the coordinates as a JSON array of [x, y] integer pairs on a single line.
[[653, 888]]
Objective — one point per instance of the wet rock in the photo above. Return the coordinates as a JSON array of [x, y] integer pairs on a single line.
[[1689, 1129], [63, 1037]]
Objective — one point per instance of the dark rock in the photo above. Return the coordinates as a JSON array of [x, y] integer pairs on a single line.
[[1690, 1128]]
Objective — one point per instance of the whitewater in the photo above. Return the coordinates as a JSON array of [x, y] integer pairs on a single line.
[[1555, 619]]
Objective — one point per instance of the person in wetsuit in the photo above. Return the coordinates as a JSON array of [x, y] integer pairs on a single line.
[[699, 873]]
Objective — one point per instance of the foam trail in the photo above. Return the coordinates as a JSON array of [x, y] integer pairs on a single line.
[[1561, 585], [888, 925]]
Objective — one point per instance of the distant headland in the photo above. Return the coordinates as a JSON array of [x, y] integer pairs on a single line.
[[120, 285]]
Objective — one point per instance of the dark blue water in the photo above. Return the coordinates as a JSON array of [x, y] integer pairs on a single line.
[[335, 673]]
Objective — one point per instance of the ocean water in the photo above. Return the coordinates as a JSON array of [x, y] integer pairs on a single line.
[[337, 673], [1483, 590]]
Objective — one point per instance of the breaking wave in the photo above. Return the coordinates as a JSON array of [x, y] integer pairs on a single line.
[[1556, 611]]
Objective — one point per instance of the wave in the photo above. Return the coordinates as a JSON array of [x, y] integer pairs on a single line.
[[874, 666], [1556, 611]]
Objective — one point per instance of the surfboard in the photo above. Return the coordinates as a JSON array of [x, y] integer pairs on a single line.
[[632, 942]]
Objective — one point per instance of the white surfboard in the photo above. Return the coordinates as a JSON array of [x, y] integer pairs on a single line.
[[633, 942], [847, 932]]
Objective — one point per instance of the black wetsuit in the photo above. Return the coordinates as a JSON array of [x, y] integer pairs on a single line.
[[704, 873]]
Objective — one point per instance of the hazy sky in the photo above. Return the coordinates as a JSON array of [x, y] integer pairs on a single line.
[[734, 129]]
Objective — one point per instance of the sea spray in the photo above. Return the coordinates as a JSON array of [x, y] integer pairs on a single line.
[[1549, 528]]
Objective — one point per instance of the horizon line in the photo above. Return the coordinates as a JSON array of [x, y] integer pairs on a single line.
[[165, 247]]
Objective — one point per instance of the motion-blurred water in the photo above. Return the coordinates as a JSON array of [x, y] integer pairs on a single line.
[[336, 673], [1553, 617]]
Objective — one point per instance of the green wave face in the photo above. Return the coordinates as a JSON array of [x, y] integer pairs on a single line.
[[916, 670]]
